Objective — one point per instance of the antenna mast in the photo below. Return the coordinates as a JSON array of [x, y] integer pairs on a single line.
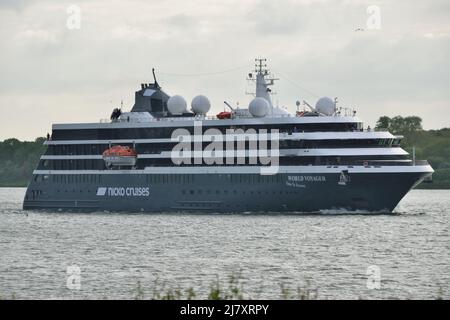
[[261, 62], [154, 78], [263, 81]]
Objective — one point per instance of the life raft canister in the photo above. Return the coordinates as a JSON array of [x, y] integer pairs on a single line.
[[120, 151], [224, 115], [119, 156]]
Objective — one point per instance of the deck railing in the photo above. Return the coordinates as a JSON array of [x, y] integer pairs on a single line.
[[172, 119]]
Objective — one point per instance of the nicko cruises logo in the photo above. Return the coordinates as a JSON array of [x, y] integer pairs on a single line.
[[123, 191], [263, 147]]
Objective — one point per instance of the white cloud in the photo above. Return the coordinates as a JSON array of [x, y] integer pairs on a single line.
[[74, 74], [38, 36]]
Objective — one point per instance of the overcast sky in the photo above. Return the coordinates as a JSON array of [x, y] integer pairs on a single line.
[[51, 73]]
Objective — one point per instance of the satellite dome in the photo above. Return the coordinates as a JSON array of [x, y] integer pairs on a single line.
[[325, 106], [258, 107], [177, 105], [200, 104], [277, 111]]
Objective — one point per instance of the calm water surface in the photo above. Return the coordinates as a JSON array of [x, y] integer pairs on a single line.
[[333, 254]]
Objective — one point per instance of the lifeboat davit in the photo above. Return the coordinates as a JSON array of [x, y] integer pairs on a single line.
[[224, 115], [120, 156]]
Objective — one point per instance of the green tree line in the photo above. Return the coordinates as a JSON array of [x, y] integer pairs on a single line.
[[431, 145], [18, 159]]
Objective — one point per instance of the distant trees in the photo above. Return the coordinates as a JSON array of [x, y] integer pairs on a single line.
[[400, 125], [18, 159], [433, 145]]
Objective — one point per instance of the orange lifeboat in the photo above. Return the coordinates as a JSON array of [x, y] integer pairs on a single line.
[[120, 156], [224, 115]]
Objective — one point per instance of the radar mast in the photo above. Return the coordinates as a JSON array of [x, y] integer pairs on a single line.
[[263, 80]]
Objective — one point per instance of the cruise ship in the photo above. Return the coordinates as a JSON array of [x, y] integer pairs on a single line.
[[162, 156]]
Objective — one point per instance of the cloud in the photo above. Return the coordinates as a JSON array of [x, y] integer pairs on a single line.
[[272, 17], [182, 21], [38, 36], [130, 33], [15, 4], [72, 75]]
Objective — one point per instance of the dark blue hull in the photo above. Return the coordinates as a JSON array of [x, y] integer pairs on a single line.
[[361, 192]]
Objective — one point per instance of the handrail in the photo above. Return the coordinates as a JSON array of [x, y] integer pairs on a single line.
[[171, 119]]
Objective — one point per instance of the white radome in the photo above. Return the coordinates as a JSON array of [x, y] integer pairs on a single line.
[[325, 106], [200, 104], [177, 105], [258, 107], [277, 111]]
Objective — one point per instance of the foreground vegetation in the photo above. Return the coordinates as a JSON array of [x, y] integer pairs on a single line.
[[19, 158], [232, 289]]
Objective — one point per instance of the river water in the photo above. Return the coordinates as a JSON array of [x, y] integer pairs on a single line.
[[126, 256]]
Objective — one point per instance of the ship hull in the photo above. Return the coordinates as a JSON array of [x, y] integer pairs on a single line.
[[222, 193]]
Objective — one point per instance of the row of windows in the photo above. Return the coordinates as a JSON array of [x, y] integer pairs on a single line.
[[167, 178], [166, 132], [35, 194], [99, 164], [141, 148], [235, 192], [72, 164], [160, 178], [69, 178], [97, 178], [155, 148], [76, 149], [342, 143]]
